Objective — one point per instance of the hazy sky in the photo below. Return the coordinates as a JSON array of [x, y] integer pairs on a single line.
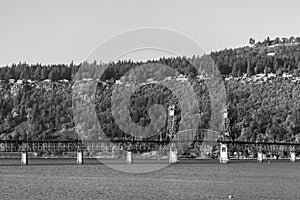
[[58, 31]]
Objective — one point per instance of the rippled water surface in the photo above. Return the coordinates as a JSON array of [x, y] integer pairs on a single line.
[[62, 179]]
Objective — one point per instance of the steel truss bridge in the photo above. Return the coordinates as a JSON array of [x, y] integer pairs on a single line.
[[136, 145]]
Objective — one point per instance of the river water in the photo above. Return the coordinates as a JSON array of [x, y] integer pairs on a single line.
[[63, 179]]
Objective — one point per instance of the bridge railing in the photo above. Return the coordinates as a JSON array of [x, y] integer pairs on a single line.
[[100, 145]]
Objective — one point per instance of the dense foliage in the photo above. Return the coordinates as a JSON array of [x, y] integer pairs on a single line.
[[266, 110], [37, 102], [275, 58]]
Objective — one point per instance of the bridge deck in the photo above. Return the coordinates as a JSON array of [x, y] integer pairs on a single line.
[[100, 145]]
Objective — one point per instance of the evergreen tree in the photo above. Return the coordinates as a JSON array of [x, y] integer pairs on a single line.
[[249, 67], [44, 73], [9, 74], [37, 73]]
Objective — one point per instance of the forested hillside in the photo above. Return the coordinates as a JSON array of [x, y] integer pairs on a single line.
[[261, 80], [270, 56]]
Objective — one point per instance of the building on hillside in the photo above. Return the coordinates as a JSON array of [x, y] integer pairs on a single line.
[[271, 54]]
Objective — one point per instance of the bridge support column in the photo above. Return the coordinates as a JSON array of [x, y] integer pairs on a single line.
[[223, 153], [128, 157], [293, 156], [173, 154], [24, 158], [79, 157], [259, 156]]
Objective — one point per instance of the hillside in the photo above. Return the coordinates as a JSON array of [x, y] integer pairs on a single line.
[[263, 57], [262, 87]]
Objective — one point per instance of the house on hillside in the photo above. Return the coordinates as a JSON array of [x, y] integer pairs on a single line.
[[271, 75], [19, 82], [267, 42], [271, 54]]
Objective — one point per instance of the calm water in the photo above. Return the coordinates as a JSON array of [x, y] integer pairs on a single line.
[[62, 179]]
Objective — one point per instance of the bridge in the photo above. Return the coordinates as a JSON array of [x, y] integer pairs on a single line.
[[225, 147], [130, 145]]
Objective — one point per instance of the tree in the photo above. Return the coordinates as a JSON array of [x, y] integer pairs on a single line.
[[276, 41], [235, 69], [9, 74], [279, 72], [24, 74], [296, 72], [292, 39], [64, 73], [44, 73], [285, 40], [37, 73], [251, 41], [249, 67], [53, 75], [259, 68], [2, 74]]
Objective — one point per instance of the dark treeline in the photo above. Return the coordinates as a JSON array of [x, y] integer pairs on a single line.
[[262, 58], [264, 110], [41, 109], [37, 72], [270, 56]]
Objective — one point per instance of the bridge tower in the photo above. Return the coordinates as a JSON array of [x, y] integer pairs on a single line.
[[225, 134], [170, 131], [171, 121], [225, 123]]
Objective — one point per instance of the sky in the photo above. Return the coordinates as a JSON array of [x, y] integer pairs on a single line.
[[59, 31]]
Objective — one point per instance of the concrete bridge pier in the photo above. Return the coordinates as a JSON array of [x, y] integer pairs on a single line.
[[128, 157], [173, 155], [223, 153], [24, 158], [293, 156], [79, 157], [259, 156]]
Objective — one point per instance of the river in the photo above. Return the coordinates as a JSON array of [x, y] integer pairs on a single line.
[[63, 179]]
